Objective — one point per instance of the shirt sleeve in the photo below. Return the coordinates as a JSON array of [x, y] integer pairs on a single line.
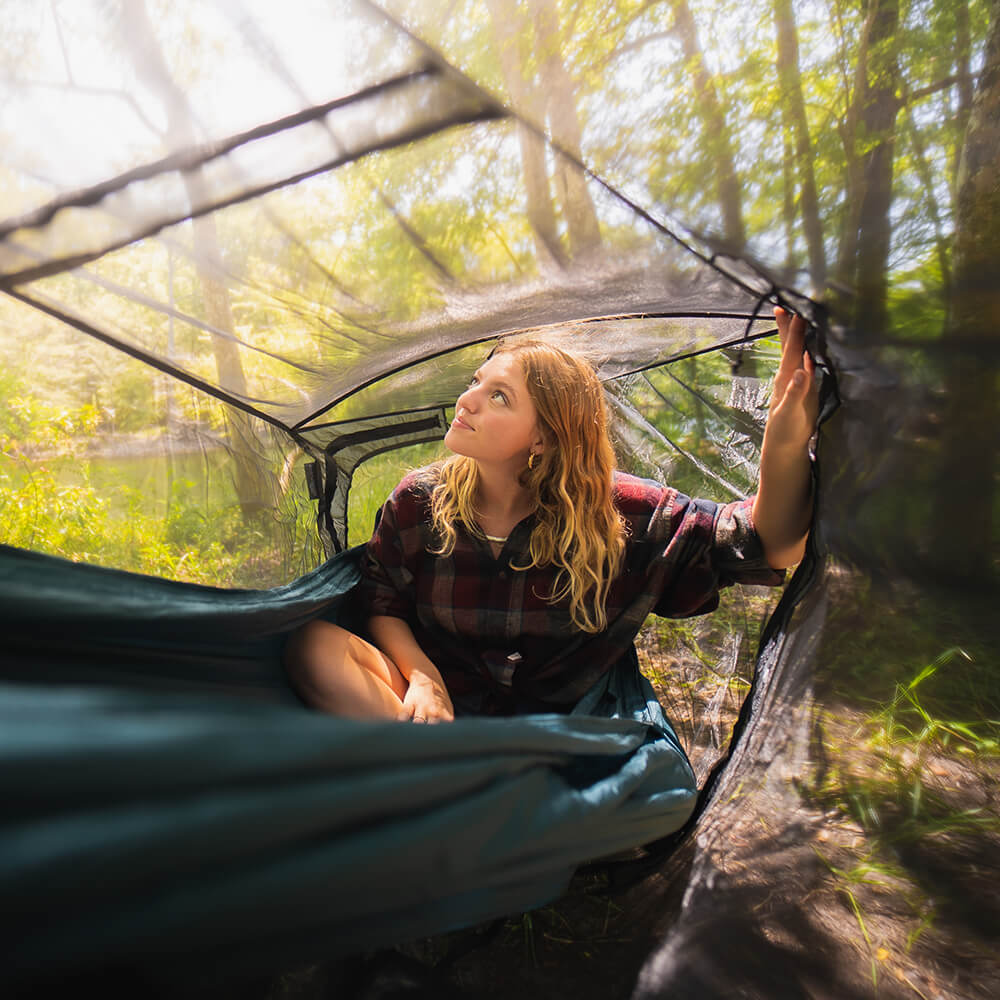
[[698, 548], [738, 552], [387, 578]]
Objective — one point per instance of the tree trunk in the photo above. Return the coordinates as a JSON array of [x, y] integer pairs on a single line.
[[564, 125], [926, 174], [969, 438], [864, 256], [791, 88], [540, 209], [718, 143], [847, 244], [788, 204], [963, 71], [168, 385], [878, 122], [256, 485]]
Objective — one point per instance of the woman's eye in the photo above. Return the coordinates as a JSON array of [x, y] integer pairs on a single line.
[[497, 394]]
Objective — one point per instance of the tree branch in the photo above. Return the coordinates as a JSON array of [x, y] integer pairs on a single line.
[[934, 88], [656, 36], [75, 88]]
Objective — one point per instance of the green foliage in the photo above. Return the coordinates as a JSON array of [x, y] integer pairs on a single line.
[[61, 495], [392, 236], [376, 479], [905, 719], [120, 527]]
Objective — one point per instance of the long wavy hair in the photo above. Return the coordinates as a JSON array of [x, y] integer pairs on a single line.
[[577, 527]]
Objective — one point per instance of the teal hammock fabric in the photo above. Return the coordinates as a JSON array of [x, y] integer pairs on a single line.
[[167, 799]]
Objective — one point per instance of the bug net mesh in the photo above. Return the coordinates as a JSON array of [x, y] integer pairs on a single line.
[[250, 254]]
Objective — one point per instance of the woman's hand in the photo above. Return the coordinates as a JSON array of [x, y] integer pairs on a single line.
[[426, 699], [795, 398], [782, 508]]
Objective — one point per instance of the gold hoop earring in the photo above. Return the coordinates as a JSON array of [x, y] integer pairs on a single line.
[[531, 460]]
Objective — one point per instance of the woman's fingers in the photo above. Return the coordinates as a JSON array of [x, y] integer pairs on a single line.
[[782, 319], [792, 333], [431, 716], [426, 703], [794, 399], [794, 357]]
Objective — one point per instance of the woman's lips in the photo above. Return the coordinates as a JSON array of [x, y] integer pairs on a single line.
[[459, 422]]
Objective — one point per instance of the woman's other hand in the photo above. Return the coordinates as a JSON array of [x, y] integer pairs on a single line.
[[426, 699]]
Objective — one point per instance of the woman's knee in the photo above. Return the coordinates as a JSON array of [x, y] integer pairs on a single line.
[[339, 672], [313, 652]]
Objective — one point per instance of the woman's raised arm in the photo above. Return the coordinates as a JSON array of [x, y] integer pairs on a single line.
[[783, 506]]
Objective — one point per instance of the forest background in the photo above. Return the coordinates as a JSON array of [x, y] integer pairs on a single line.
[[827, 139], [850, 147]]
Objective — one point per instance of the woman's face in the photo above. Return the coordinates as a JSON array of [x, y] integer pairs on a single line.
[[496, 422]]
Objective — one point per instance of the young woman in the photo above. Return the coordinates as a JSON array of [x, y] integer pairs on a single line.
[[514, 576]]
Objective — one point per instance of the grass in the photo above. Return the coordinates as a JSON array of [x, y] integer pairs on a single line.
[[129, 514], [905, 720], [701, 669], [375, 480], [907, 746]]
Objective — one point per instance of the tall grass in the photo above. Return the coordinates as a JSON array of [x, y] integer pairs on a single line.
[[375, 480]]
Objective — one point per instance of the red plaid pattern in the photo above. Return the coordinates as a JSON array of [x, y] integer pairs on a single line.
[[500, 645]]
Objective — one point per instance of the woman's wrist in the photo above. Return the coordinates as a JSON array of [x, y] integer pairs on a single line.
[[787, 449], [395, 638], [425, 673]]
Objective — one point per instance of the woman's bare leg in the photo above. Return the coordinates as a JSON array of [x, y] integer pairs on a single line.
[[340, 673]]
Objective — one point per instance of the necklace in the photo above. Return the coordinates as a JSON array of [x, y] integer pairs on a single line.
[[494, 538]]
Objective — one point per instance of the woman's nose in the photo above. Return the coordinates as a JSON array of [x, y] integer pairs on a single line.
[[467, 401]]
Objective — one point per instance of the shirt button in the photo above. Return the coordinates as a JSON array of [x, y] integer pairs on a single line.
[[503, 574]]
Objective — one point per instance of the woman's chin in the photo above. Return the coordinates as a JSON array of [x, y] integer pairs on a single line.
[[452, 445]]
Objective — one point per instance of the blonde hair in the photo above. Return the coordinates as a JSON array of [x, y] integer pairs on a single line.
[[577, 527]]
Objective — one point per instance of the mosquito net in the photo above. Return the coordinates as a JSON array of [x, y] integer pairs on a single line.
[[250, 254]]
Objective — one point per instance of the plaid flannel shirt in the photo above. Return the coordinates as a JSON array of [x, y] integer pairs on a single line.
[[499, 644]]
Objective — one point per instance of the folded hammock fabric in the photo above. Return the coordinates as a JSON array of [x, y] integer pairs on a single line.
[[167, 797]]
